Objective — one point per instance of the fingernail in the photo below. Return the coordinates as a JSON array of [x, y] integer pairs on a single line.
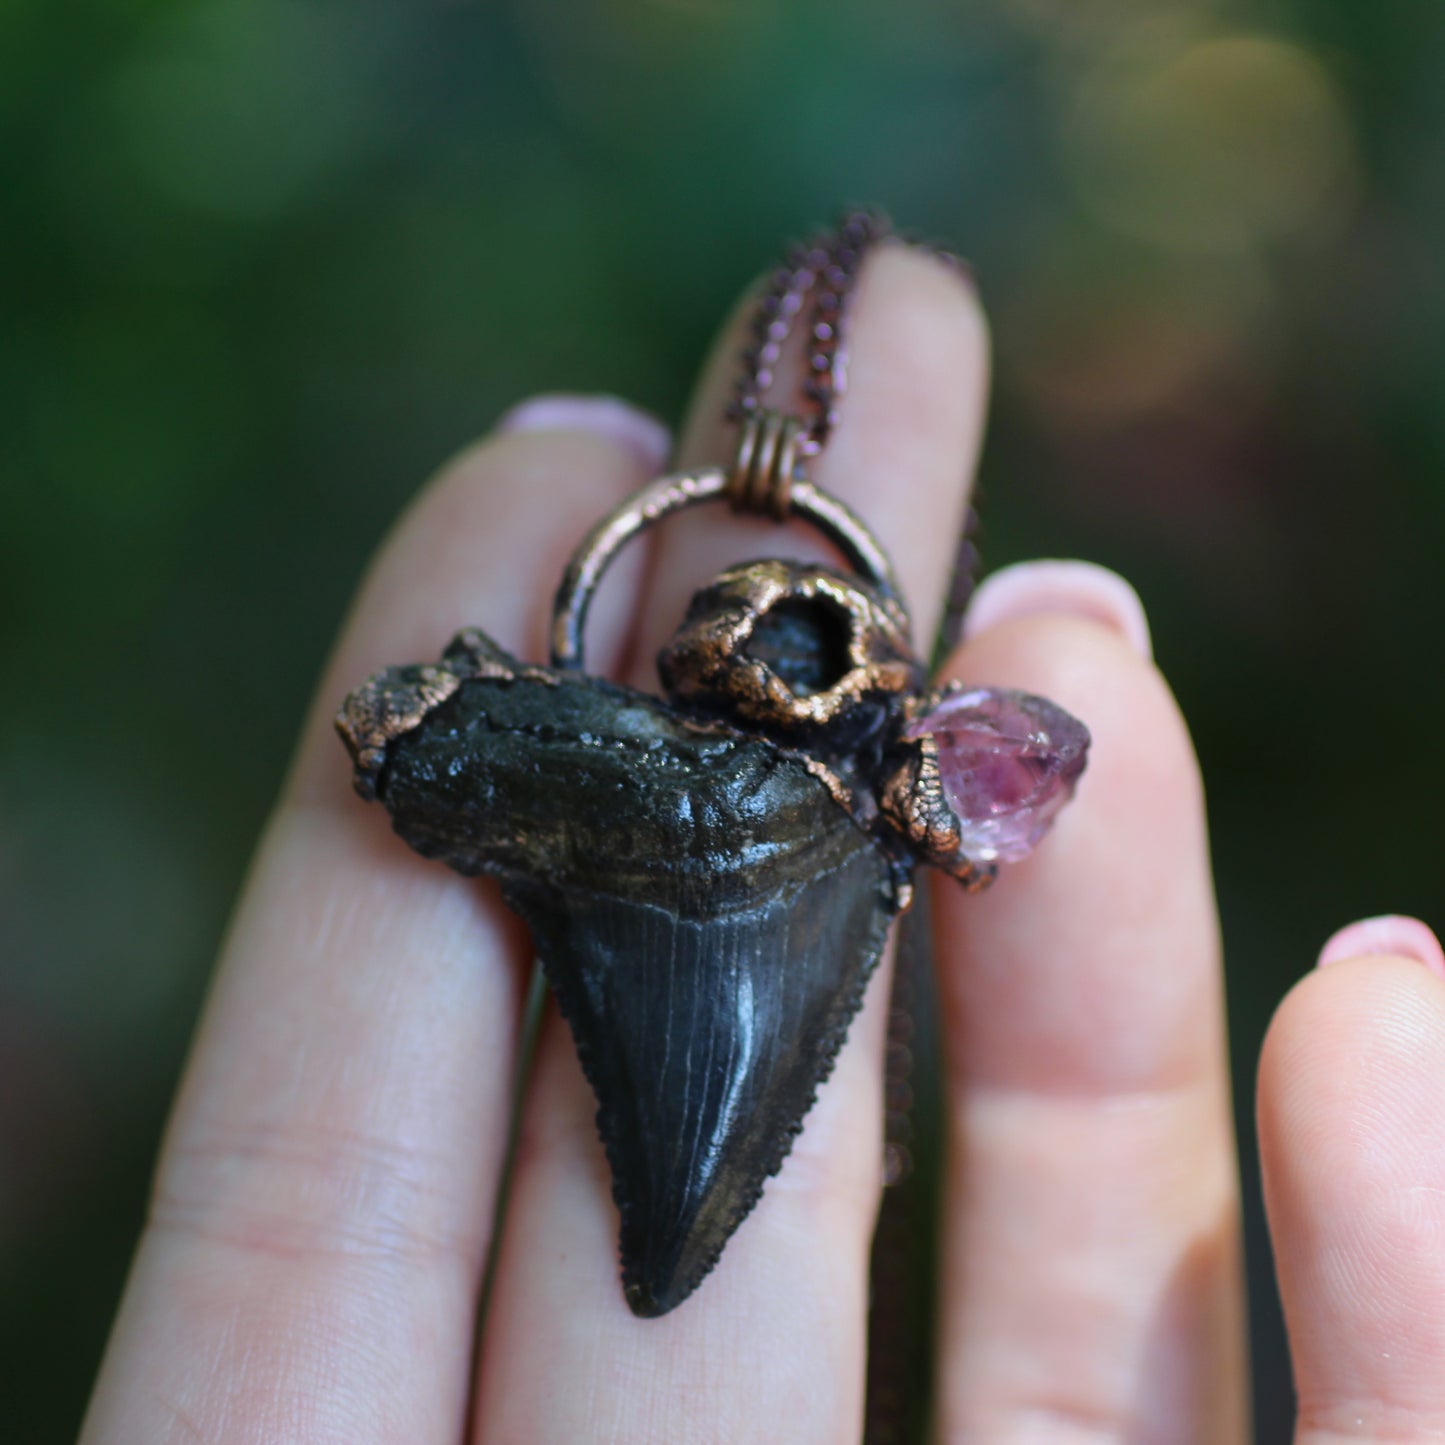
[[1051, 588], [951, 262], [959, 271], [608, 417], [1392, 933]]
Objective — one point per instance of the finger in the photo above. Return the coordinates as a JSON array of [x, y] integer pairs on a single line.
[[1352, 1138], [321, 1207], [771, 1347], [1091, 1284]]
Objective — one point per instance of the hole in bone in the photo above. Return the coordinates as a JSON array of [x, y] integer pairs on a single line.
[[805, 642]]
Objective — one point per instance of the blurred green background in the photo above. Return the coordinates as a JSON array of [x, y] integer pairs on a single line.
[[264, 265]]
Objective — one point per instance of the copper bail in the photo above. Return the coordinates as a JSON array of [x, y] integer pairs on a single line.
[[761, 478]]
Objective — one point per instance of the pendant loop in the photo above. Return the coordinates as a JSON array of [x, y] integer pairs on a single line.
[[833, 518], [761, 480]]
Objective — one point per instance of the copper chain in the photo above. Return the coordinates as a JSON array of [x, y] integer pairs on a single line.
[[774, 442], [825, 268]]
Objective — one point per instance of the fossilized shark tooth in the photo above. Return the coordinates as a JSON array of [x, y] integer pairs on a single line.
[[705, 908], [709, 880]]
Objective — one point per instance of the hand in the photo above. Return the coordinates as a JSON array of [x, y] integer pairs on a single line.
[[323, 1205]]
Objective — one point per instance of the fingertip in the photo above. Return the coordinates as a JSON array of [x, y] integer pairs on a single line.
[[1345, 1027], [1345, 1036], [1051, 587], [1390, 933], [1077, 633], [924, 323], [1352, 1139], [606, 418], [488, 536], [1140, 741]]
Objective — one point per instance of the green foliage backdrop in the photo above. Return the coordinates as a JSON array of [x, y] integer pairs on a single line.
[[263, 265]]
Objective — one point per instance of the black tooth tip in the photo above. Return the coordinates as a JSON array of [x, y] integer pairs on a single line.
[[646, 1303]]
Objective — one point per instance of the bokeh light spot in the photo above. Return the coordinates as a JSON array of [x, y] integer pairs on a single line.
[[1087, 24], [1227, 144]]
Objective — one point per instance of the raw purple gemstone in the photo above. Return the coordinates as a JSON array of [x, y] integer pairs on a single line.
[[1009, 761]]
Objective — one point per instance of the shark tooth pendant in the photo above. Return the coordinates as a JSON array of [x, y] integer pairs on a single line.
[[709, 876]]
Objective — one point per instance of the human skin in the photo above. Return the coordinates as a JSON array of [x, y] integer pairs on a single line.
[[323, 1205]]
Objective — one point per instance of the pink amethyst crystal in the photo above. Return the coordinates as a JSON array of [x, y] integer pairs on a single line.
[[1009, 761]]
